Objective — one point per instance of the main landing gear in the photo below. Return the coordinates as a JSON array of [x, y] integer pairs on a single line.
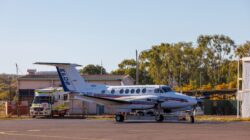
[[158, 112], [159, 118], [119, 118]]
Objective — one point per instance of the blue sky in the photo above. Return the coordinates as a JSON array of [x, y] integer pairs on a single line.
[[88, 32]]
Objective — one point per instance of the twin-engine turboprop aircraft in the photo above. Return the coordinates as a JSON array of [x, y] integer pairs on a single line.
[[159, 98]]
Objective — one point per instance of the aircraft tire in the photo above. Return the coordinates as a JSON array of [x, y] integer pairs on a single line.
[[119, 118], [159, 118]]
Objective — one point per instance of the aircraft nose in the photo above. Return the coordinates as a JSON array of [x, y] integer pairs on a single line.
[[192, 101]]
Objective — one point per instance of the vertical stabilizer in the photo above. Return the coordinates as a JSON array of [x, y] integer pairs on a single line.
[[70, 78]]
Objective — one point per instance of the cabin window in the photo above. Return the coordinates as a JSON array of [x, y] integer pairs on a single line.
[[121, 91], [127, 91], [112, 91], [144, 90], [138, 91], [132, 91], [103, 91]]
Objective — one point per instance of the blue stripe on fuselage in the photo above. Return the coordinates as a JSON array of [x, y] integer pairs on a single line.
[[61, 79]]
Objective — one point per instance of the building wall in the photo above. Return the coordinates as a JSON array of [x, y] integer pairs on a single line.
[[37, 84]]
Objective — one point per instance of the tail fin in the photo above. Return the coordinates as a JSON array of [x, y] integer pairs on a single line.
[[70, 78]]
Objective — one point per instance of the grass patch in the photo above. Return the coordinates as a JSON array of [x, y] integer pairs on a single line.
[[220, 118], [99, 117], [2, 117]]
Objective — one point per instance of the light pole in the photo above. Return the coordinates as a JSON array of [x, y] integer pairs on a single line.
[[182, 49], [17, 91]]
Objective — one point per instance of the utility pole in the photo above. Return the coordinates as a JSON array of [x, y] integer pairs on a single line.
[[137, 68], [228, 75], [17, 91], [9, 82], [200, 79], [101, 67]]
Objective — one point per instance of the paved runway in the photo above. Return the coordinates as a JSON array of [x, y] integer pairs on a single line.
[[77, 129]]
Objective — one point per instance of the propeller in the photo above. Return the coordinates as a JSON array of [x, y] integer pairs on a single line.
[[200, 102]]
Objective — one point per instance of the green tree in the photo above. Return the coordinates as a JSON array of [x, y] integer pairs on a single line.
[[93, 69], [217, 51], [243, 50], [179, 64], [126, 67], [7, 86]]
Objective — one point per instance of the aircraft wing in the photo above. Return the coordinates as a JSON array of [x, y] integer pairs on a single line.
[[101, 100], [119, 100], [138, 98]]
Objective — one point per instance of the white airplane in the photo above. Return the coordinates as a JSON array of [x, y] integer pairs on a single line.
[[159, 98]]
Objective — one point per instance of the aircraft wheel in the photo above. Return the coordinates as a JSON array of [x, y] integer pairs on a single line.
[[119, 118], [159, 118]]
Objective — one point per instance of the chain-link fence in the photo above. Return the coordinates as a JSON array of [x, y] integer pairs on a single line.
[[220, 107], [2, 109]]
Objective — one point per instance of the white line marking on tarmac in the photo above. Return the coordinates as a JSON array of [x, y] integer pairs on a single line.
[[10, 131], [44, 136], [33, 130]]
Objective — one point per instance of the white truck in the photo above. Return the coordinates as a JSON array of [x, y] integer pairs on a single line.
[[52, 102]]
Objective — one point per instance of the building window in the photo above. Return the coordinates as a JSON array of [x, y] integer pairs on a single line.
[[138, 91], [127, 91], [121, 91], [112, 91], [65, 97], [144, 90], [132, 91]]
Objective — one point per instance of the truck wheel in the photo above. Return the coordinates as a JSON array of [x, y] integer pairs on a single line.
[[51, 115], [119, 118], [61, 115], [159, 118]]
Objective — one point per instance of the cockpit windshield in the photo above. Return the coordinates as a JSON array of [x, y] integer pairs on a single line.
[[42, 99], [166, 89]]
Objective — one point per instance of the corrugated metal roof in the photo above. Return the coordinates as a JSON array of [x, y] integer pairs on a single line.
[[54, 76]]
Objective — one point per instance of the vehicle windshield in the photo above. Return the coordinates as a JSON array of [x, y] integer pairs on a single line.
[[42, 99], [166, 89]]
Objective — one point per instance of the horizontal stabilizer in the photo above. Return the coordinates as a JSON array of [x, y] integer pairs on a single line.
[[56, 64]]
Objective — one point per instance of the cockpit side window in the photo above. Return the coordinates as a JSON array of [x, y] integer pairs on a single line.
[[157, 90], [166, 89]]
